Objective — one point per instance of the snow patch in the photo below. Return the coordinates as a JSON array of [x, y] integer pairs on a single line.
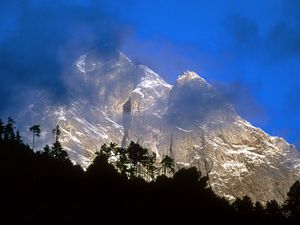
[[235, 168], [138, 91], [181, 129], [60, 113], [80, 63], [190, 75], [183, 164], [229, 197]]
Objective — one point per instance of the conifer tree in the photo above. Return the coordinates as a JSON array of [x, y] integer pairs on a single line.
[[122, 160], [9, 133], [36, 130], [167, 165], [150, 166], [47, 150], [1, 130], [57, 150], [137, 156], [292, 204], [274, 212], [18, 137]]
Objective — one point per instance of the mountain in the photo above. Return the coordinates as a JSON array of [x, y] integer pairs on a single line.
[[114, 100]]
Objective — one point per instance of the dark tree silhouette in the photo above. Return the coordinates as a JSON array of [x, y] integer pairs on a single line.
[[18, 137], [167, 165], [137, 156], [259, 212], [101, 169], [1, 130], [9, 133], [107, 151], [57, 150], [190, 176], [36, 130], [292, 204], [122, 160], [47, 150], [56, 133], [53, 190], [274, 213], [244, 209], [150, 166]]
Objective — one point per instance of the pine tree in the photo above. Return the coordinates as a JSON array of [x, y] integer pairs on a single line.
[[138, 157], [150, 166], [167, 165], [57, 150], [259, 212], [292, 204], [1, 130], [122, 160], [36, 130], [18, 137], [47, 150], [9, 133], [244, 208], [274, 213], [107, 151], [56, 133]]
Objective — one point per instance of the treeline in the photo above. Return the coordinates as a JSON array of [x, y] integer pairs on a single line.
[[121, 186]]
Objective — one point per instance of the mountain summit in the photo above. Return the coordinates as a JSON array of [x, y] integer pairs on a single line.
[[115, 100], [190, 76]]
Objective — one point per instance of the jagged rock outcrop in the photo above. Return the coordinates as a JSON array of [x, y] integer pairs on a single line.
[[115, 100]]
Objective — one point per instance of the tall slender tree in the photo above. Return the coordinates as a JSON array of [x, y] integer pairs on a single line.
[[274, 213], [107, 150], [9, 133], [138, 156], [56, 133], [47, 150], [1, 130], [167, 165], [292, 204], [150, 166], [122, 160], [57, 150], [36, 130], [18, 137]]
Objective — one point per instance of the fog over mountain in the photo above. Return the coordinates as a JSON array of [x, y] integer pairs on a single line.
[[112, 99]]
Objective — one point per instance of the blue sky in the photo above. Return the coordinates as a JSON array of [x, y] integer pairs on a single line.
[[250, 50]]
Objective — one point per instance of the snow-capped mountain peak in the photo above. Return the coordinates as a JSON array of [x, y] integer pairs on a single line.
[[188, 76], [120, 101]]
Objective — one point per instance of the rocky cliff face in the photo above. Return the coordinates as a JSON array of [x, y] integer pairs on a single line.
[[115, 100]]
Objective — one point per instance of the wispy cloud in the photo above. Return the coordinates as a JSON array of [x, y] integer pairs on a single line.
[[39, 38]]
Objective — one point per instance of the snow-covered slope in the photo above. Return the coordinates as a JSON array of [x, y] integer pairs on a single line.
[[115, 100]]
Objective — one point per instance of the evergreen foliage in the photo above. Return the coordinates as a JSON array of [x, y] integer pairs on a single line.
[[36, 130], [121, 186]]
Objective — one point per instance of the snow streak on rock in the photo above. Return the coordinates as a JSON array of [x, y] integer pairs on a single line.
[[115, 100]]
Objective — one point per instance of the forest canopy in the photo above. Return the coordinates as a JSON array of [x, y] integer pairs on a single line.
[[122, 185]]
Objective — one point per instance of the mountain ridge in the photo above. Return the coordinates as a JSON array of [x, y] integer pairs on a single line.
[[115, 100]]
